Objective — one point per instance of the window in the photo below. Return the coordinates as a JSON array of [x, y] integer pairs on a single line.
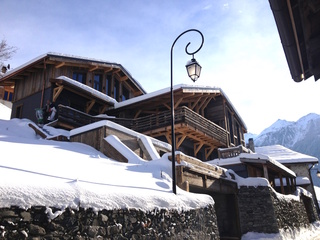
[[108, 84], [125, 94], [8, 96], [80, 77], [116, 89], [97, 82]]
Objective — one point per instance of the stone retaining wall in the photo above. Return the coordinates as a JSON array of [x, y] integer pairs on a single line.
[[262, 210], [35, 223]]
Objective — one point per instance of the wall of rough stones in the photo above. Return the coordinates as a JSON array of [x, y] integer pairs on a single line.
[[261, 210], [48, 223]]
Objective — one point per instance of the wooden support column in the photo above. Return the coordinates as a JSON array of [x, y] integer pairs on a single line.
[[102, 109], [168, 137], [204, 179], [89, 105], [180, 179], [208, 151], [288, 185], [293, 188], [179, 140], [265, 172], [281, 183], [197, 147], [56, 93], [225, 122]]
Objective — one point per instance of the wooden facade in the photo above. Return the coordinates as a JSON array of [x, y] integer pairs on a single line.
[[32, 84], [205, 119]]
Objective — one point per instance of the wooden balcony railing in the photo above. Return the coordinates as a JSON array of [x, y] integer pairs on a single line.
[[182, 115]]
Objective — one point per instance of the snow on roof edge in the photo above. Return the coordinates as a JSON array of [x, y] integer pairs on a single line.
[[87, 88], [73, 56]]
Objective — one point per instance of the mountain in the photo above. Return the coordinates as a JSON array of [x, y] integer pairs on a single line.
[[302, 136]]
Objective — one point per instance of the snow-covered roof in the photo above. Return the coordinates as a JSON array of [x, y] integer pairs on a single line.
[[54, 54], [89, 90], [285, 155], [247, 157]]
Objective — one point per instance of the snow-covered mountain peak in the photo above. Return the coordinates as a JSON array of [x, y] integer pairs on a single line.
[[301, 136], [279, 124], [309, 117]]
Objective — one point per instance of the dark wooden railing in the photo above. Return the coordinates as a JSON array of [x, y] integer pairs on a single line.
[[151, 122], [182, 115]]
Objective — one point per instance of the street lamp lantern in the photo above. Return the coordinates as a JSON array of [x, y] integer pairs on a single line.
[[193, 69]]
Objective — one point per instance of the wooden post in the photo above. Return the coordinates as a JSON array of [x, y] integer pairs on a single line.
[[265, 172], [281, 183]]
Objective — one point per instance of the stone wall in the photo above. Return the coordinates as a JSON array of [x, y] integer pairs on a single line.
[[256, 210], [262, 210], [35, 223]]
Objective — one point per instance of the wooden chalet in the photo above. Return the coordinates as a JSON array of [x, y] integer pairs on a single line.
[[205, 119], [33, 83]]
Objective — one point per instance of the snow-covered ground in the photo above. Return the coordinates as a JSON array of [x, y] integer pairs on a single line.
[[35, 171], [5, 111]]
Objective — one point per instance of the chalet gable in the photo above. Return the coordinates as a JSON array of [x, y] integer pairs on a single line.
[[83, 64]]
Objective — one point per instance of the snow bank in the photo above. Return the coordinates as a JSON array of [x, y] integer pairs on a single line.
[[5, 112], [34, 171]]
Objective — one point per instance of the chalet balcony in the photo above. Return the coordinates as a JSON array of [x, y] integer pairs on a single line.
[[188, 124]]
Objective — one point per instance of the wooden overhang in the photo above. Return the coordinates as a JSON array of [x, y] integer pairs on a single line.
[[195, 98], [60, 60], [90, 95], [152, 114], [272, 168], [298, 23]]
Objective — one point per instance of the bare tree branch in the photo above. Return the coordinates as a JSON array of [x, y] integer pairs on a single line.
[[6, 51]]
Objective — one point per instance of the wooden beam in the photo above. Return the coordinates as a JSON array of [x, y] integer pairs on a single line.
[[93, 68], [178, 102], [167, 106], [60, 65], [121, 79], [281, 183], [102, 109], [197, 147], [108, 70], [168, 137], [137, 114], [179, 140], [200, 105], [208, 151], [194, 104], [89, 105], [56, 93], [205, 105], [265, 171]]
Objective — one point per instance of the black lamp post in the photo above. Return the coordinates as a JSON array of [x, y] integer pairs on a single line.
[[193, 69]]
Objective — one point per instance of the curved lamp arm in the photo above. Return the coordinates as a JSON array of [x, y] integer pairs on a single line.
[[173, 140]]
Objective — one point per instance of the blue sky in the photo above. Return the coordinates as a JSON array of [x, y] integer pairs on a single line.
[[242, 52]]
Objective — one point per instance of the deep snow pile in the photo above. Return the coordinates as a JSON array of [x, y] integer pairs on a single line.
[[35, 171], [5, 112]]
